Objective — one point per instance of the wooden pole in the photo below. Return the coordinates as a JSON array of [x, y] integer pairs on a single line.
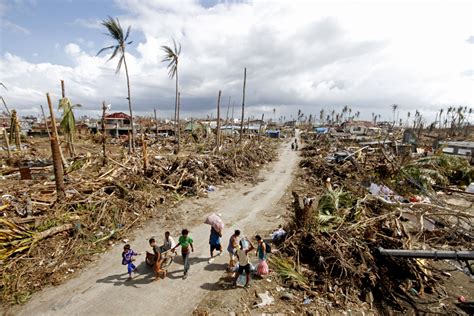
[[63, 90], [45, 121], [5, 135], [55, 150], [145, 155], [260, 128], [156, 127], [104, 153], [243, 106], [178, 127], [218, 131]]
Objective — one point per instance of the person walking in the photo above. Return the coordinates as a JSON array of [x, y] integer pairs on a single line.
[[215, 241], [233, 246], [262, 268], [244, 261], [158, 259], [186, 243], [127, 259]]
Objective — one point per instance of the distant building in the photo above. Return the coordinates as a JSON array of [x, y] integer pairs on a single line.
[[117, 124], [458, 148]]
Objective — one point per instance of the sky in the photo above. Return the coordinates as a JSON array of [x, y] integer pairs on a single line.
[[299, 55]]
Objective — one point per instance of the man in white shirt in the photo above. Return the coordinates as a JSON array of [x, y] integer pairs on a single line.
[[244, 261]]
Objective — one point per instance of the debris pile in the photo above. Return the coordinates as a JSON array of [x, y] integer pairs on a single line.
[[44, 240], [351, 208]]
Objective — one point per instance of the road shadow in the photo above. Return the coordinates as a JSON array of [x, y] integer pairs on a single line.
[[174, 275], [224, 283], [144, 275], [216, 267]]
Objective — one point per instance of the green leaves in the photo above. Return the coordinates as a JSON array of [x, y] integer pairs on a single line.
[[68, 122]]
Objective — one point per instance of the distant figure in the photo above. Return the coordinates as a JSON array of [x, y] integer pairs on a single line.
[[292, 146], [215, 241], [296, 146], [244, 261], [186, 243], [127, 259]]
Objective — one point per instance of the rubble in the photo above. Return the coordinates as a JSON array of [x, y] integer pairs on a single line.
[[44, 238], [381, 199]]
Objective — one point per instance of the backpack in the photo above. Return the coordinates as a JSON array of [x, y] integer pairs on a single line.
[[124, 262], [268, 248]]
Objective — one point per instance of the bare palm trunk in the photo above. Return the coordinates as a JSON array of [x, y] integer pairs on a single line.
[[7, 143], [68, 135], [176, 108], [132, 147], [104, 153], [178, 127], [243, 106], [156, 127], [260, 127], [56, 152], [218, 130]]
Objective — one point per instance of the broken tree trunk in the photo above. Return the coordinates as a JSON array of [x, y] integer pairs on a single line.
[[218, 128], [260, 127], [104, 108], [15, 130], [145, 155], [178, 127], [5, 135], [156, 126], [302, 211], [45, 122], [243, 106], [56, 152]]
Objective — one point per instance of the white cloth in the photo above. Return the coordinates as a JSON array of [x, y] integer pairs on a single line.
[[168, 244], [243, 257]]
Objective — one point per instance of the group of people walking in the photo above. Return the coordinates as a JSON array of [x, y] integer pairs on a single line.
[[238, 250]]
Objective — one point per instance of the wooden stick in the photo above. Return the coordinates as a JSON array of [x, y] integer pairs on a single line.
[[218, 131], [57, 164], [5, 135]]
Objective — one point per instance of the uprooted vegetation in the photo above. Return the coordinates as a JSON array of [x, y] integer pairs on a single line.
[[44, 240], [346, 211]]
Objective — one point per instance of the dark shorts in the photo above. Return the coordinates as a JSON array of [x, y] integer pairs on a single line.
[[245, 268], [216, 247]]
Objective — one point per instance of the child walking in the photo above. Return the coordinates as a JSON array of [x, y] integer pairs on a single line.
[[186, 243], [127, 259]]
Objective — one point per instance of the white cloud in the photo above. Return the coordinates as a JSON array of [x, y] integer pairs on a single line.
[[299, 55]]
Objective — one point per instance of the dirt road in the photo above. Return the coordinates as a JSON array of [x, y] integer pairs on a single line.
[[102, 289]]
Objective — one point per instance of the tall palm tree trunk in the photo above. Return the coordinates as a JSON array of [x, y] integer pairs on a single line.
[[177, 123], [218, 127], [132, 147], [243, 106], [176, 109]]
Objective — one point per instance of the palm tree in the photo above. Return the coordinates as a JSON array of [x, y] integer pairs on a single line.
[[172, 56], [116, 32], [394, 108], [68, 122]]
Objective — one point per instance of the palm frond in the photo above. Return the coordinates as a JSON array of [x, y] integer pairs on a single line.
[[116, 50], [105, 48], [286, 269], [114, 28], [1, 84], [119, 65], [128, 32], [172, 57]]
